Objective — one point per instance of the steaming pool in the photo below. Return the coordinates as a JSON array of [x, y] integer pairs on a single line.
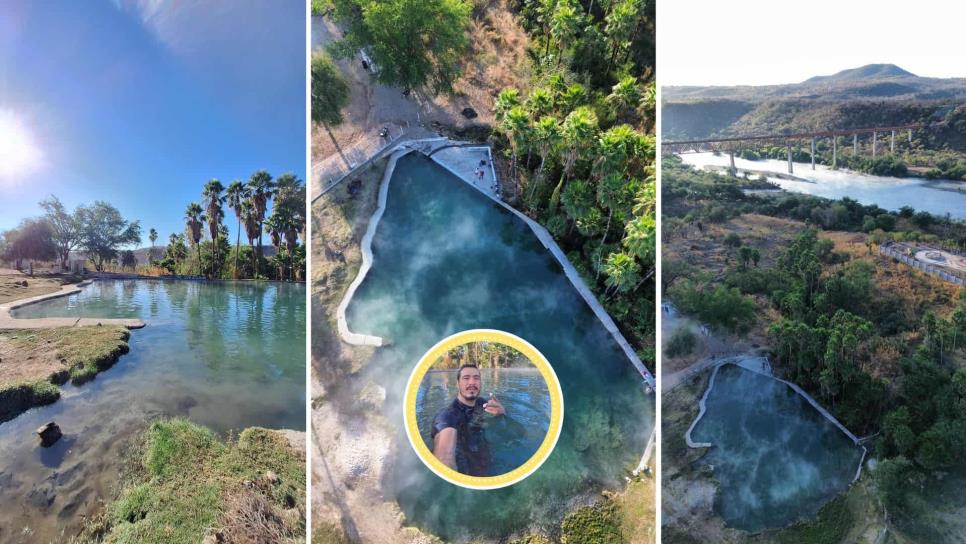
[[776, 458], [513, 438], [447, 259], [225, 355]]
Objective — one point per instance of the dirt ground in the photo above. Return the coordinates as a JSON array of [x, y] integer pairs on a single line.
[[11, 284], [497, 59], [47, 354]]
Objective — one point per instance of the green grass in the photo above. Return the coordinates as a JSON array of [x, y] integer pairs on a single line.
[[20, 397], [186, 484], [597, 524], [830, 526]]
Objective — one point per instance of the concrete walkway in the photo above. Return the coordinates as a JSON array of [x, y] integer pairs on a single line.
[[9, 322]]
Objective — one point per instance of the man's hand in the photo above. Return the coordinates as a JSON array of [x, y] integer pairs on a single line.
[[493, 407]]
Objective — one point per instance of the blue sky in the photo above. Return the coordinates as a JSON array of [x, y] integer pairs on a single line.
[[140, 103]]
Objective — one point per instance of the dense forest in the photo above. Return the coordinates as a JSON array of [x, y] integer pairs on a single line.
[[483, 355], [850, 340], [580, 147]]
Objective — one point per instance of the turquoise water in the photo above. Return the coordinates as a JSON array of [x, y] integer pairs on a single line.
[[513, 438], [225, 355], [448, 259], [775, 457]]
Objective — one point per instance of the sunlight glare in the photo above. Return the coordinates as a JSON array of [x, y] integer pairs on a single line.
[[19, 155]]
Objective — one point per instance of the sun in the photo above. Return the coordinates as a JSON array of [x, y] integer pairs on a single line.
[[19, 155]]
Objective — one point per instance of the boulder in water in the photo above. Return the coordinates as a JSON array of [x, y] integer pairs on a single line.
[[49, 434]]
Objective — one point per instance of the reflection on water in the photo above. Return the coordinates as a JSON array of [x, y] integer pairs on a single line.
[[935, 197], [447, 259], [513, 438], [776, 458], [225, 355]]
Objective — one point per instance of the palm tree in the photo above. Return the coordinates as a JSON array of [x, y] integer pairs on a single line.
[[624, 96], [194, 220], [234, 196], [579, 131], [508, 99], [212, 197], [153, 236], [540, 102], [546, 136], [274, 225], [622, 272], [262, 188], [253, 230], [516, 124], [610, 192], [564, 25]]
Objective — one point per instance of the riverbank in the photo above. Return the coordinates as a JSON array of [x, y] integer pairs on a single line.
[[33, 363], [15, 285], [182, 484]]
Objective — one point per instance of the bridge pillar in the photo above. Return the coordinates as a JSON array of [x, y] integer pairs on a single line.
[[813, 153], [834, 152], [875, 137], [732, 170], [892, 143], [791, 170], [855, 144], [910, 135]]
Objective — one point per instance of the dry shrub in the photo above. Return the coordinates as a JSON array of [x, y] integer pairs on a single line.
[[250, 518]]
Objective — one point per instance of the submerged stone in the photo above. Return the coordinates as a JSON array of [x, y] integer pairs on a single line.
[[49, 434]]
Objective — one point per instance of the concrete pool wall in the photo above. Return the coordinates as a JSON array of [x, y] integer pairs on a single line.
[[702, 408], [7, 321], [546, 239]]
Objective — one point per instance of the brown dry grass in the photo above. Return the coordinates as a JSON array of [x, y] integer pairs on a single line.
[[339, 220], [12, 288], [50, 354]]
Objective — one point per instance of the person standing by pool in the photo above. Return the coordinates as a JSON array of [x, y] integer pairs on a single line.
[[458, 437]]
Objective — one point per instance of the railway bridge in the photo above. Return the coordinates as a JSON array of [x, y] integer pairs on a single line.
[[734, 144]]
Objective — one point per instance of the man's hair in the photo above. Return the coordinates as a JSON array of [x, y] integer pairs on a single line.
[[459, 373]]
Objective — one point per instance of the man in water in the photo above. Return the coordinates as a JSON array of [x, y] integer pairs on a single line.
[[458, 439]]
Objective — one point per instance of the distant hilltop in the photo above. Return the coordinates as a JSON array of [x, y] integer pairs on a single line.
[[870, 95], [869, 71]]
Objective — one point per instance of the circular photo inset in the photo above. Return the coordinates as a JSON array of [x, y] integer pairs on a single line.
[[483, 409]]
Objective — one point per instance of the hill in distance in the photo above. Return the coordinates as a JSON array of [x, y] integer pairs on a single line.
[[870, 95]]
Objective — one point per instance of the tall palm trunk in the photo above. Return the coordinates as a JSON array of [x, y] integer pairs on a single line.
[[600, 254], [237, 247]]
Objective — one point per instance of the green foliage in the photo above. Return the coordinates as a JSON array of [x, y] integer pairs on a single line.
[[32, 240], [830, 526], [103, 232], [719, 306], [330, 90], [597, 524], [413, 44], [681, 343], [20, 397]]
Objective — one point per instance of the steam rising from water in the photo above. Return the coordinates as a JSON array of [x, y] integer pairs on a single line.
[[776, 458], [448, 259]]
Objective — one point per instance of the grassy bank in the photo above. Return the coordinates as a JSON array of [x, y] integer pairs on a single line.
[[184, 485], [36, 361]]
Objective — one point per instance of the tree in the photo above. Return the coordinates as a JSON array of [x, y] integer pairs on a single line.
[[33, 239], [253, 230], [565, 24], [579, 132], [236, 193], [744, 255], [212, 197], [153, 236], [128, 259], [622, 272], [413, 44], [546, 136], [103, 231], [624, 96], [330, 91], [65, 228], [261, 187], [194, 219], [516, 123]]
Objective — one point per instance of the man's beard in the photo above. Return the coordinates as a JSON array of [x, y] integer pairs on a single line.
[[471, 395]]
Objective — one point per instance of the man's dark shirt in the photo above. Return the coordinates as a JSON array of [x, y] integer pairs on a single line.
[[472, 449]]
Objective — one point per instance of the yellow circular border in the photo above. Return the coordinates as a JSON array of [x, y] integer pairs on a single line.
[[556, 409]]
